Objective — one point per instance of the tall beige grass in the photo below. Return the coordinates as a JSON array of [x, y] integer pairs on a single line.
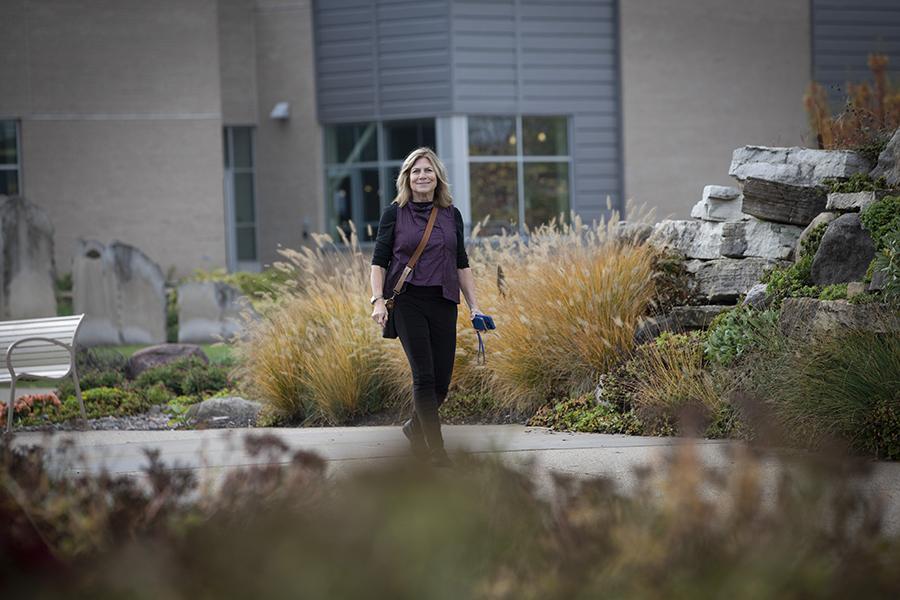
[[566, 300], [315, 353]]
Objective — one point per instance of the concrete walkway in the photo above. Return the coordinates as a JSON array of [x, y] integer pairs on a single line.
[[211, 453]]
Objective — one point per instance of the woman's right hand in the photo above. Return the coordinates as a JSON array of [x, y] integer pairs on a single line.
[[380, 314]]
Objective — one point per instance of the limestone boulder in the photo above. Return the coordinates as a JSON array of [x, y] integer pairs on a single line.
[[693, 239], [122, 293], [209, 311], [889, 162], [845, 252], [724, 280], [806, 318], [757, 297], [783, 202], [719, 203], [225, 412], [795, 166], [27, 271], [631, 233], [763, 239], [162, 354], [856, 202]]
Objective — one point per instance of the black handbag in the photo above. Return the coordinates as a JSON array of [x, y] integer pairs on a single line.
[[390, 326]]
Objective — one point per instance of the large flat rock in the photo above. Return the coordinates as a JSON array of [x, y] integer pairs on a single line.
[[783, 202], [795, 166], [722, 281], [806, 318], [693, 239]]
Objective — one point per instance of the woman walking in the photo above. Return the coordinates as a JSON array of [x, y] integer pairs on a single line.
[[424, 313]]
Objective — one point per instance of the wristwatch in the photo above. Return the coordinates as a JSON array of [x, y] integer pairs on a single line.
[[374, 299]]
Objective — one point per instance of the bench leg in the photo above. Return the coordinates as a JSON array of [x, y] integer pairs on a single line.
[[78, 394], [12, 401]]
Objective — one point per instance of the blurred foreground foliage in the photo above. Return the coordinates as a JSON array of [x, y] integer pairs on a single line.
[[789, 527]]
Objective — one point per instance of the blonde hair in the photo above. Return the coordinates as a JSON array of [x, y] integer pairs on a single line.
[[442, 195]]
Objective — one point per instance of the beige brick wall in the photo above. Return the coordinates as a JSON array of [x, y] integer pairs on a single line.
[[121, 122], [700, 79]]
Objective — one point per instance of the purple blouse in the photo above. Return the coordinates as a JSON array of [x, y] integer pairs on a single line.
[[400, 232]]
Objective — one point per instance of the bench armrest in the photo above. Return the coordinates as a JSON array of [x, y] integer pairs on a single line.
[[12, 346]]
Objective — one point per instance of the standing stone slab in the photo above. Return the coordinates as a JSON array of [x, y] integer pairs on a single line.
[[121, 292], [724, 280], [693, 239], [806, 318], [845, 252], [27, 273], [209, 311], [889, 162], [795, 166], [752, 237], [142, 295], [857, 202], [782, 202], [719, 203]]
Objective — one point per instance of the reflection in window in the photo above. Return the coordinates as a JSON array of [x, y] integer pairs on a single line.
[[9, 158], [240, 190], [546, 192], [360, 182], [493, 191], [492, 136], [545, 136], [504, 149]]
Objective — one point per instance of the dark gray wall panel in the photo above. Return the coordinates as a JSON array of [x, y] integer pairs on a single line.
[[844, 33], [382, 59], [547, 57]]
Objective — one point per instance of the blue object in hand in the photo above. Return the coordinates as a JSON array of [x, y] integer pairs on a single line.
[[483, 322]]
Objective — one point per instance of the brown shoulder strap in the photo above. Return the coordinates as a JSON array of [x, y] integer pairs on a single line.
[[419, 249]]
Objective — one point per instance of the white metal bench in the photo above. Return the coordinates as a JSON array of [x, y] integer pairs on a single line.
[[39, 349]]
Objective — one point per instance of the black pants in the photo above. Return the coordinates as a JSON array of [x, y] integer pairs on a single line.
[[426, 326]]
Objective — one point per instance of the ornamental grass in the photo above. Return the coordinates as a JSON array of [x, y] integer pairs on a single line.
[[566, 300]]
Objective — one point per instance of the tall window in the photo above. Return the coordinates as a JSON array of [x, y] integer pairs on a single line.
[[10, 178], [362, 161], [519, 170], [240, 194]]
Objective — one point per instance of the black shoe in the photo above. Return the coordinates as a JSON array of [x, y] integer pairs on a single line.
[[440, 459], [416, 442]]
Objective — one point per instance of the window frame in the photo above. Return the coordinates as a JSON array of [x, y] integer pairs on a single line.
[[235, 263], [520, 159], [17, 167], [384, 166]]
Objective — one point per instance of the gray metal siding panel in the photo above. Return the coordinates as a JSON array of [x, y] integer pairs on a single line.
[[844, 33], [547, 57], [382, 59]]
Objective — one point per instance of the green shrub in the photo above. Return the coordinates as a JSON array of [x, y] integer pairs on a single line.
[[185, 377], [157, 394], [89, 380], [737, 331], [98, 402], [881, 218], [792, 281], [835, 291], [811, 243], [887, 262], [843, 386], [584, 414], [858, 182]]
